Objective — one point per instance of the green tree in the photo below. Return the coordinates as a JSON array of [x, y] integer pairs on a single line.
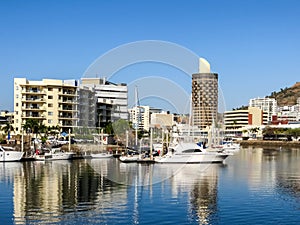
[[35, 127], [7, 128]]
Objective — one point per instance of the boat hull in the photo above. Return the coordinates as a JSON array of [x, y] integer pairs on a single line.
[[128, 159], [55, 156], [101, 156], [192, 158], [11, 156]]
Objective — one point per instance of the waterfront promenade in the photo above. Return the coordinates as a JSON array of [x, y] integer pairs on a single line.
[[267, 143]]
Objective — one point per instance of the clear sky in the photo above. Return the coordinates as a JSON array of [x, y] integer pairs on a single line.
[[254, 45]]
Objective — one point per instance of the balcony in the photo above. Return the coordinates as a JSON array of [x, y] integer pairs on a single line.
[[69, 93], [34, 92], [67, 124], [67, 109], [36, 100], [33, 116], [33, 108], [70, 102]]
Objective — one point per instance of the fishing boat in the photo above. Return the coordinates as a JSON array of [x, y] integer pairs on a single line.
[[8, 154]]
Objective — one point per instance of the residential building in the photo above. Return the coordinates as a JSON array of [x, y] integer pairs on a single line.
[[268, 105], [53, 102], [6, 117], [286, 114], [238, 119], [139, 116], [111, 102], [87, 102], [204, 96], [162, 120]]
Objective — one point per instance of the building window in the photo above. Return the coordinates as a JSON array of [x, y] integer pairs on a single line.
[[50, 89], [50, 105], [50, 121], [50, 97], [17, 111], [17, 104], [17, 95], [17, 88], [50, 113]]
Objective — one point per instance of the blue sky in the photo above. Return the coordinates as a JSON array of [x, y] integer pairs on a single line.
[[253, 45]]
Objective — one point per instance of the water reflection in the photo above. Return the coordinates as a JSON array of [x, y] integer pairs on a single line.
[[107, 191]]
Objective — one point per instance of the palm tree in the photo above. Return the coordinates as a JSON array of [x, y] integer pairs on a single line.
[[33, 126], [7, 128]]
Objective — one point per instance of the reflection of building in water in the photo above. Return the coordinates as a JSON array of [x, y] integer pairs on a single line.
[[201, 181], [58, 187], [262, 168]]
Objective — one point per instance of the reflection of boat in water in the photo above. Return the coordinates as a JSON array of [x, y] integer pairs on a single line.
[[54, 154], [192, 153], [8, 154], [101, 155]]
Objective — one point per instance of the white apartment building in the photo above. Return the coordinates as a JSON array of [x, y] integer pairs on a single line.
[[111, 98], [289, 113], [238, 119], [139, 116], [54, 102], [268, 105]]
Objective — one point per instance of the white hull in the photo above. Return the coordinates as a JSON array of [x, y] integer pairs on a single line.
[[231, 147], [192, 153], [56, 154], [129, 159], [193, 158], [10, 156], [101, 156]]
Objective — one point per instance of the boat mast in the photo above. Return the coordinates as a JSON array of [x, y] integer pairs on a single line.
[[137, 116]]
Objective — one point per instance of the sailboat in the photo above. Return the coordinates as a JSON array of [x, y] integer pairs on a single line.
[[132, 157]]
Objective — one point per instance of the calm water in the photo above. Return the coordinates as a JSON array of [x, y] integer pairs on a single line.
[[255, 186]]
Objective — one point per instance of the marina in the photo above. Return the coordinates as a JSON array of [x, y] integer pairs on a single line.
[[253, 186]]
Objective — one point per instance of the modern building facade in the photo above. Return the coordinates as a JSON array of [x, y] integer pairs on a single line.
[[238, 119], [268, 105], [53, 102], [87, 102], [111, 98], [204, 96], [139, 116], [162, 120]]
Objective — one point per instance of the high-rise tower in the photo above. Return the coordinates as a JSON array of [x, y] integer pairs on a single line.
[[204, 96]]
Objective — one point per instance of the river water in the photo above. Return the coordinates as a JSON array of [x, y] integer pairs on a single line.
[[255, 186]]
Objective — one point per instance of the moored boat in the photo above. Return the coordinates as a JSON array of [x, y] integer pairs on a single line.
[[8, 154], [101, 155], [129, 158], [191, 153], [54, 154]]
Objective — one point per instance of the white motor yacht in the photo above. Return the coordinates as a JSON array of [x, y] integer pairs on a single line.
[[192, 153]]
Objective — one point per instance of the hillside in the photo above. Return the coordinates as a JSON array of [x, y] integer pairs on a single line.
[[287, 96]]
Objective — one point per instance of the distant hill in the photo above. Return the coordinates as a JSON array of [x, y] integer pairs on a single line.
[[287, 96]]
